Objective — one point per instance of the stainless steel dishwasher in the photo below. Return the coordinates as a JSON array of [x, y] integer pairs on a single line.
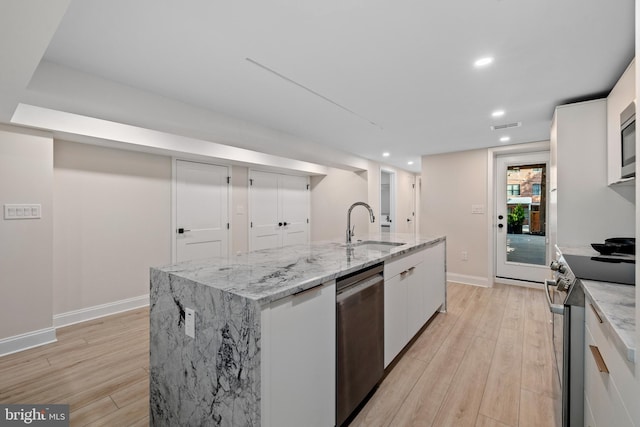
[[360, 338]]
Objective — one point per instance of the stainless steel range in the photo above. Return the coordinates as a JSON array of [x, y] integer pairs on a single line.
[[566, 302]]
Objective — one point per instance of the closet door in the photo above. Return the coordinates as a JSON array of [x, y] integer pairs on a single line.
[[294, 207], [265, 231]]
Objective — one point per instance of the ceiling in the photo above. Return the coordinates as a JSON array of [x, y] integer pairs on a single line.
[[362, 77]]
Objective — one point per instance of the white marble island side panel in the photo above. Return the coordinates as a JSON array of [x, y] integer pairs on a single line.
[[215, 377]]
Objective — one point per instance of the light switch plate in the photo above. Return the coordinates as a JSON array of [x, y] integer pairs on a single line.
[[477, 209], [22, 211]]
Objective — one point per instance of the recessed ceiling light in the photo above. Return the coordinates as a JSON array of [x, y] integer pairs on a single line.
[[385, 154], [505, 139], [497, 113], [483, 62], [409, 162]]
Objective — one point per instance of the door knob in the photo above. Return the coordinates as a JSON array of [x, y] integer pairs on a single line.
[[182, 230], [500, 225], [279, 224], [285, 223], [500, 217]]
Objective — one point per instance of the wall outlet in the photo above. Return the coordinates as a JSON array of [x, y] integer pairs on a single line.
[[190, 322], [465, 256]]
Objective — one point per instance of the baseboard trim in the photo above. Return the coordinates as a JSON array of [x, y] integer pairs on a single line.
[[468, 280], [89, 313], [522, 283], [26, 341]]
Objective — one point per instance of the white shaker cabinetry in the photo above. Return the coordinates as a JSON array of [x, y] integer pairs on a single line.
[[608, 377], [622, 94], [583, 208], [414, 289], [298, 359]]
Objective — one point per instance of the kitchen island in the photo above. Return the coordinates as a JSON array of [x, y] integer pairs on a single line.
[[261, 322]]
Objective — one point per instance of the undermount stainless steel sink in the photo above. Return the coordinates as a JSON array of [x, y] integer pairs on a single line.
[[377, 245], [377, 242]]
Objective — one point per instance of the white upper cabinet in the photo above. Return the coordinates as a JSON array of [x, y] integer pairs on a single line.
[[622, 94]]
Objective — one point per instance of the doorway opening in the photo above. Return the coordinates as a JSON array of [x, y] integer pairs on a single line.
[[387, 201]]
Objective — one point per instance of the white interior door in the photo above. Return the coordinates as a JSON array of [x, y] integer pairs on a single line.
[[294, 207], [265, 231], [202, 214], [522, 250]]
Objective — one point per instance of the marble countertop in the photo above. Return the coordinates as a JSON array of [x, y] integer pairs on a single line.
[[271, 274], [617, 303]]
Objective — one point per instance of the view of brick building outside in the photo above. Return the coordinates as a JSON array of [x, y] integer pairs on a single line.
[[524, 187]]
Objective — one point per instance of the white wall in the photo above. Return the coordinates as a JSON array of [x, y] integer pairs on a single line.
[[26, 176], [451, 183], [331, 196], [112, 220]]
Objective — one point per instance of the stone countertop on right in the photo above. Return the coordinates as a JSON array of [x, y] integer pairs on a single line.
[[618, 304]]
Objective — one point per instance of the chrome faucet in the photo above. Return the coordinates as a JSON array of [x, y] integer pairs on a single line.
[[349, 229]]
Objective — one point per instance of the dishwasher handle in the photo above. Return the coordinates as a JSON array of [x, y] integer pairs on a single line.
[[344, 294]]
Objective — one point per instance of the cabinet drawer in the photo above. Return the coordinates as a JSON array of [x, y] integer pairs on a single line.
[[403, 263], [600, 390], [619, 367]]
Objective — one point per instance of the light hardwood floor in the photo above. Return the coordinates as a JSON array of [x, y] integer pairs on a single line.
[[486, 363], [100, 368]]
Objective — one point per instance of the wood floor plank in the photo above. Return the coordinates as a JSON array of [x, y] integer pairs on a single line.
[[502, 391], [136, 390], [421, 405], [127, 415], [537, 369], [537, 410], [386, 401], [98, 409], [484, 421], [491, 321], [428, 343], [65, 382], [462, 402], [112, 387]]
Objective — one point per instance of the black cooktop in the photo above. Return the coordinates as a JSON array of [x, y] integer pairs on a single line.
[[603, 268]]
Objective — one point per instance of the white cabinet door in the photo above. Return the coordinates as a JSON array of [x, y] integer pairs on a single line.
[[434, 278], [294, 208], [416, 284], [395, 317], [300, 347], [202, 211], [414, 289]]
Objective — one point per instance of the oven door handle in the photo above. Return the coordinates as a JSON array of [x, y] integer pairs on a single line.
[[554, 308]]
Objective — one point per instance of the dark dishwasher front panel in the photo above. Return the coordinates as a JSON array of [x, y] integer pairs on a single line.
[[360, 342]]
